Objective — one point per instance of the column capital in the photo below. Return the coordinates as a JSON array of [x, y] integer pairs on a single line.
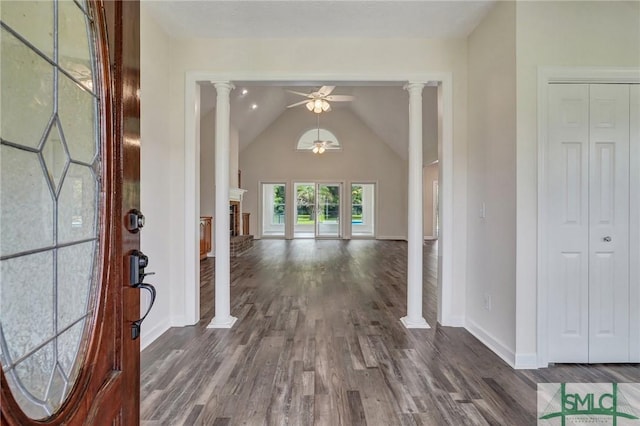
[[223, 85], [413, 87]]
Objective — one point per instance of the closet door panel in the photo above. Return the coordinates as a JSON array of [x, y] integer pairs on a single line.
[[568, 221], [609, 223]]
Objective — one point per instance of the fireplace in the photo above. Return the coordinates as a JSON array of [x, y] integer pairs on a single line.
[[241, 240]]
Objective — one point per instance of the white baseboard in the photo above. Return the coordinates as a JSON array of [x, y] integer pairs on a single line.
[[453, 321], [430, 238], [526, 361], [390, 237], [491, 342], [149, 335]]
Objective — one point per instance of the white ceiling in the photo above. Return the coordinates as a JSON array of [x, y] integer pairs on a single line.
[[319, 19], [383, 109]]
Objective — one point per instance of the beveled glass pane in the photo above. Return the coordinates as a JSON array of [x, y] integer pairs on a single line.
[[26, 302], [56, 389], [76, 108], [33, 20], [32, 408], [35, 371], [26, 203], [69, 354], [75, 267], [77, 205], [74, 54], [54, 155], [26, 84]]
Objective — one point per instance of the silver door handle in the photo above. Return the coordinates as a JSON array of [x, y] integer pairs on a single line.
[[607, 239]]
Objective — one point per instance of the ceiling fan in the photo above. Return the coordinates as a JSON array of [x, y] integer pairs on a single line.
[[318, 101], [319, 146]]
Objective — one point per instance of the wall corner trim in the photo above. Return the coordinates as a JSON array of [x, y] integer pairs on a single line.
[[454, 321], [526, 361]]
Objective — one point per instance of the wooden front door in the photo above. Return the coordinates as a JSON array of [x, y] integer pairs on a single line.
[[69, 140]]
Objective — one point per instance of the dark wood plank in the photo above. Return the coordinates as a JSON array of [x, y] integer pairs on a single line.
[[319, 342]]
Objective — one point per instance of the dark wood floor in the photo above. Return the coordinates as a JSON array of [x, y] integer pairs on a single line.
[[319, 341]]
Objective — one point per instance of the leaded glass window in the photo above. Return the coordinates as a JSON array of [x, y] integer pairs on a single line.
[[50, 163]]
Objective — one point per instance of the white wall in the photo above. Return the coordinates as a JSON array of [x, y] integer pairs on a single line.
[[577, 34], [272, 157], [207, 162], [429, 176], [491, 241], [234, 156], [262, 57], [429, 125], [156, 172]]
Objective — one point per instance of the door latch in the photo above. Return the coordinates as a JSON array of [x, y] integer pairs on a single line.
[[138, 261]]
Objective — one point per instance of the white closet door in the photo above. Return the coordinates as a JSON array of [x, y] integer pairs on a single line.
[[634, 299], [568, 223], [609, 223]]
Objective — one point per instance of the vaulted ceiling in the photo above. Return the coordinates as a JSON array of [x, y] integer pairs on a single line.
[[383, 108]]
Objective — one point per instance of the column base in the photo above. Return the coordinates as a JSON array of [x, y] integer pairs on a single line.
[[412, 323], [218, 322]]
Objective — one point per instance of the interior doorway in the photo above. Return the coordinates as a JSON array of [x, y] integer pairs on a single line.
[[447, 311]]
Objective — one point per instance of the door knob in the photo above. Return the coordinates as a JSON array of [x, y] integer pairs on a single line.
[[607, 239]]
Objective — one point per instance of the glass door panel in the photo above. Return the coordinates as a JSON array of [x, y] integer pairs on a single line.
[[328, 208], [363, 209], [304, 217], [273, 209]]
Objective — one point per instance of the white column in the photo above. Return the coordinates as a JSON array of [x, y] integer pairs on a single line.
[[415, 236], [222, 318]]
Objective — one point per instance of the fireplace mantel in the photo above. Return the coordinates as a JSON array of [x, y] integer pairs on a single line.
[[236, 194]]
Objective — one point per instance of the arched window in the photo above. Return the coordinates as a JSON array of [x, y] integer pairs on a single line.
[[310, 138]]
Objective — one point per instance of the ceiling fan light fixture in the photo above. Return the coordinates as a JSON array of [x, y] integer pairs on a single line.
[[309, 105], [317, 106], [315, 149], [325, 106], [321, 149]]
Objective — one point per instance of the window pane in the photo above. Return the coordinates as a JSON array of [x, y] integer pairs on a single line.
[[363, 209], [27, 92], [273, 209], [26, 202]]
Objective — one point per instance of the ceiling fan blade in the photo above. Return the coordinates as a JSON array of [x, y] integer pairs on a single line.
[[299, 93], [326, 90], [339, 98], [297, 103]]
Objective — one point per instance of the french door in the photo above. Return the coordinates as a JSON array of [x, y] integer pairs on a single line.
[[317, 210], [328, 196], [273, 209], [68, 192], [592, 199]]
